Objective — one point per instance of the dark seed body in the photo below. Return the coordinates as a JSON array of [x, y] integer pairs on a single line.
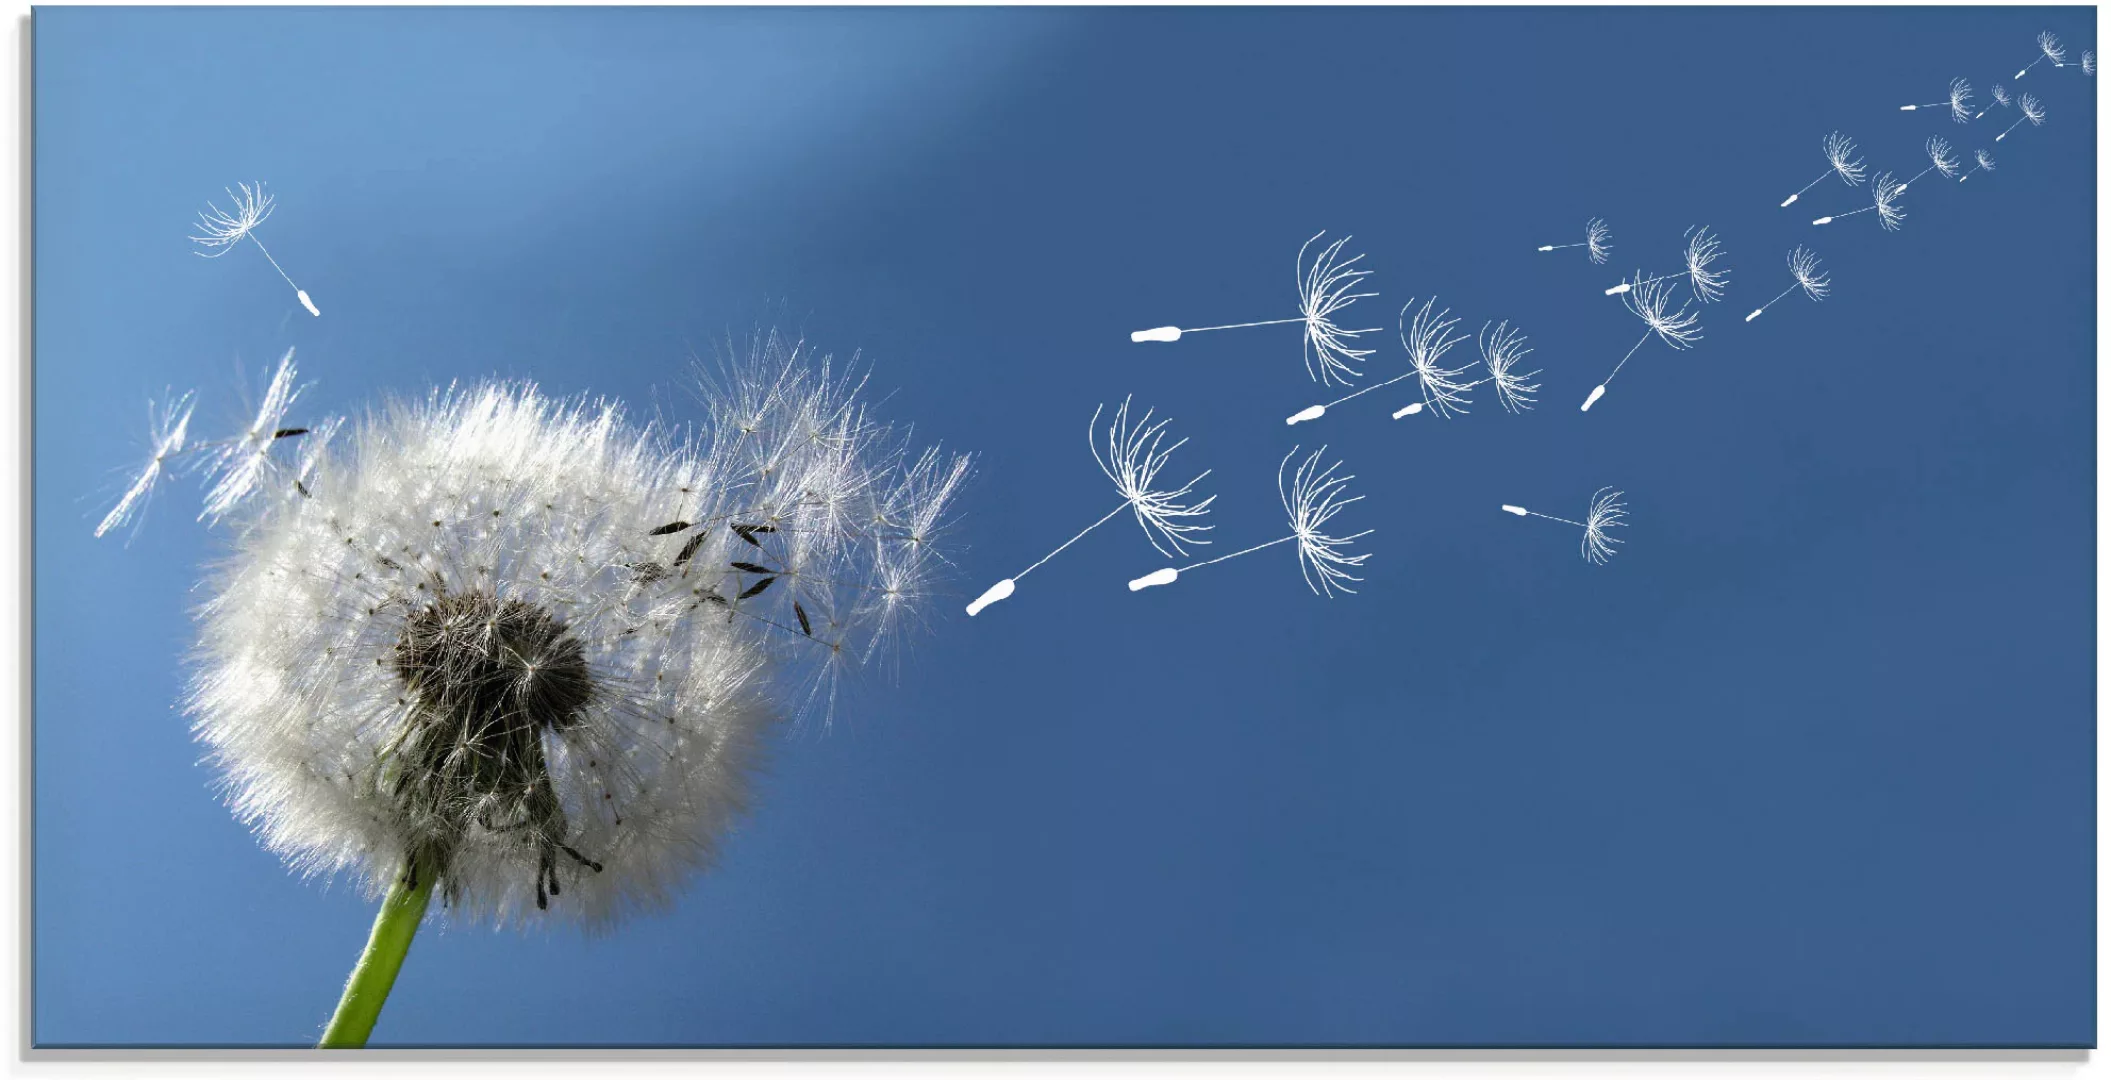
[[484, 681]]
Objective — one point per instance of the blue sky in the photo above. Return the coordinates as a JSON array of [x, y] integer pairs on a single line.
[[1808, 763]]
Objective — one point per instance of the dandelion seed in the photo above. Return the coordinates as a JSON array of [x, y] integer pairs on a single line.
[[2088, 62], [168, 426], [1650, 301], [2049, 48], [223, 230], [1939, 160], [1596, 236], [1702, 249], [2032, 111], [1984, 162], [1427, 339], [1135, 455], [1324, 291], [462, 660], [239, 465], [1606, 512], [1840, 161], [1960, 97], [1311, 498], [1803, 266], [2000, 94], [1885, 192]]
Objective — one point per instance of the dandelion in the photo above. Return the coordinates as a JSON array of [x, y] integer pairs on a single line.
[[168, 426], [1939, 160], [520, 652], [1650, 301], [1606, 512], [2032, 111], [1311, 498], [1135, 456], [1885, 192], [1596, 236], [223, 230], [1802, 266], [1960, 96], [1324, 291], [1984, 162], [1840, 161], [2049, 48], [1702, 249], [2000, 94]]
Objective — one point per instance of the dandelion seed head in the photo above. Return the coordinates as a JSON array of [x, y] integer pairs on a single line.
[[1839, 150], [2000, 94], [1606, 512], [1136, 453], [168, 426], [536, 644], [1702, 249], [1597, 236], [1650, 301], [1501, 350], [1311, 496], [1940, 157], [1985, 160], [2033, 111], [223, 229], [1803, 265], [1427, 338], [1325, 290], [1889, 211], [2051, 47], [1960, 99]]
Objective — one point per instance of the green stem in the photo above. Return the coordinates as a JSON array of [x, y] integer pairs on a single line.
[[397, 922]]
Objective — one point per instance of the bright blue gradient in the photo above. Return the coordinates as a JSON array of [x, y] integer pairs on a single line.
[[1809, 763]]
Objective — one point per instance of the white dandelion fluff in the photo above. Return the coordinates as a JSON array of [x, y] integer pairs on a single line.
[[1982, 162], [239, 466], [1427, 339], [2088, 62], [168, 426], [1702, 249], [1884, 192], [223, 229], [1606, 512], [1597, 237], [1325, 289], [1840, 162], [2000, 96], [1959, 102], [1803, 266], [2032, 110], [2049, 48], [1650, 301], [1940, 160], [1136, 453], [1311, 497], [522, 649]]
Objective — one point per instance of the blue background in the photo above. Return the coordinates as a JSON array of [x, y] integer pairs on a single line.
[[1809, 763]]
